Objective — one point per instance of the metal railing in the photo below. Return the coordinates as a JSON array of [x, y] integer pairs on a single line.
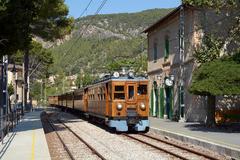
[[9, 122]]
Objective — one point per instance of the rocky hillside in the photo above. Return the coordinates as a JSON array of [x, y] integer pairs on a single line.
[[105, 42]]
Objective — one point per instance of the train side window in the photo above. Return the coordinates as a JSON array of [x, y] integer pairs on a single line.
[[142, 89]]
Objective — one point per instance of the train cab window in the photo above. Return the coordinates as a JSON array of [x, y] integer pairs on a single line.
[[119, 92], [130, 92], [142, 89], [119, 88]]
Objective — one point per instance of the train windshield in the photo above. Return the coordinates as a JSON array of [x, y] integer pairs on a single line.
[[142, 89], [119, 92]]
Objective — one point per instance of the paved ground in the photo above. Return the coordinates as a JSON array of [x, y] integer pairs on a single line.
[[226, 137], [27, 141]]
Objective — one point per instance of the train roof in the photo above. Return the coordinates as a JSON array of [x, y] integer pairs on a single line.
[[120, 78], [109, 78]]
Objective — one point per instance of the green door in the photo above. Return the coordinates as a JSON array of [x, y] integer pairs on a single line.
[[151, 105], [161, 113], [154, 110], [169, 102]]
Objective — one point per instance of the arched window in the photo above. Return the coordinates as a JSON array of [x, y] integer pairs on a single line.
[[166, 50]]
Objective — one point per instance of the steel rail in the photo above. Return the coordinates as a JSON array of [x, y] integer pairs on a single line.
[[64, 145], [181, 147], [156, 147], [87, 144]]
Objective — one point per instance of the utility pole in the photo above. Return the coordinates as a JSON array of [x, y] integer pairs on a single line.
[[41, 91], [45, 92], [1, 96], [5, 85], [182, 59], [25, 79], [4, 93]]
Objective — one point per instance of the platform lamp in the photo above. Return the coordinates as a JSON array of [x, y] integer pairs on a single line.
[[14, 71]]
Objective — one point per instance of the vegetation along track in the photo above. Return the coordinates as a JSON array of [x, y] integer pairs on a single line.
[[173, 149]]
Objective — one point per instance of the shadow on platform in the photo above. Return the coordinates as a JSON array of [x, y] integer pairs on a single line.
[[226, 128]]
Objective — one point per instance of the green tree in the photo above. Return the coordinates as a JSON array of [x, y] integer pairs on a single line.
[[209, 50], [231, 7], [21, 20], [24, 19], [215, 4], [39, 62], [79, 81], [217, 75], [214, 78], [36, 88], [10, 89], [87, 79]]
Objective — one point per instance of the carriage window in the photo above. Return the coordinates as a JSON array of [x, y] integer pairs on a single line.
[[142, 89], [130, 92]]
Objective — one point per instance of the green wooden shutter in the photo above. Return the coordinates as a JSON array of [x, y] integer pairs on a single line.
[[166, 51], [155, 52]]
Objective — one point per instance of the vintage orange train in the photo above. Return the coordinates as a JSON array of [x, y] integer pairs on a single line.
[[120, 101]]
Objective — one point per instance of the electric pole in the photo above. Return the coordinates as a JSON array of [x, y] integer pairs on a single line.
[[182, 59]]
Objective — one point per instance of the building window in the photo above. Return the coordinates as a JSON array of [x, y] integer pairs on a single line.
[[166, 51], [155, 52]]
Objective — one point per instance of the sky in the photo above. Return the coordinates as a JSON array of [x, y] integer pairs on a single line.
[[76, 7]]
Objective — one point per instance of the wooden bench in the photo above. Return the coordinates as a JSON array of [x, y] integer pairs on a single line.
[[227, 116]]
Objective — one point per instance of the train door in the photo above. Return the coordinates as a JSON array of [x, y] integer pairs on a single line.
[[85, 100], [131, 93], [107, 99]]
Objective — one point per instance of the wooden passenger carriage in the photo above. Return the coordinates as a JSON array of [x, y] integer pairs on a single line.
[[122, 102]]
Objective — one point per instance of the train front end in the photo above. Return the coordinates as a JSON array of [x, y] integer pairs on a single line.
[[130, 104]]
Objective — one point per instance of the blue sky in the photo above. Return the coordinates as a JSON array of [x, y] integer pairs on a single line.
[[76, 7]]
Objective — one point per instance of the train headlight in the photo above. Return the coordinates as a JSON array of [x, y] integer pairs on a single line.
[[119, 106], [142, 106]]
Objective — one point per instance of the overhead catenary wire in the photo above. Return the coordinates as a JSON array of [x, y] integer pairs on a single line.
[[86, 26], [85, 8]]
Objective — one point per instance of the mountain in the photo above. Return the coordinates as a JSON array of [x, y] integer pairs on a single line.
[[105, 43]]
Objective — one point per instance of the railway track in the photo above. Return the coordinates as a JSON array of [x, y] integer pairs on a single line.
[[172, 149], [75, 135], [61, 140], [82, 140]]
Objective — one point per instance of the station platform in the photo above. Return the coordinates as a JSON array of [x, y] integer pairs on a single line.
[[27, 141], [224, 140]]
